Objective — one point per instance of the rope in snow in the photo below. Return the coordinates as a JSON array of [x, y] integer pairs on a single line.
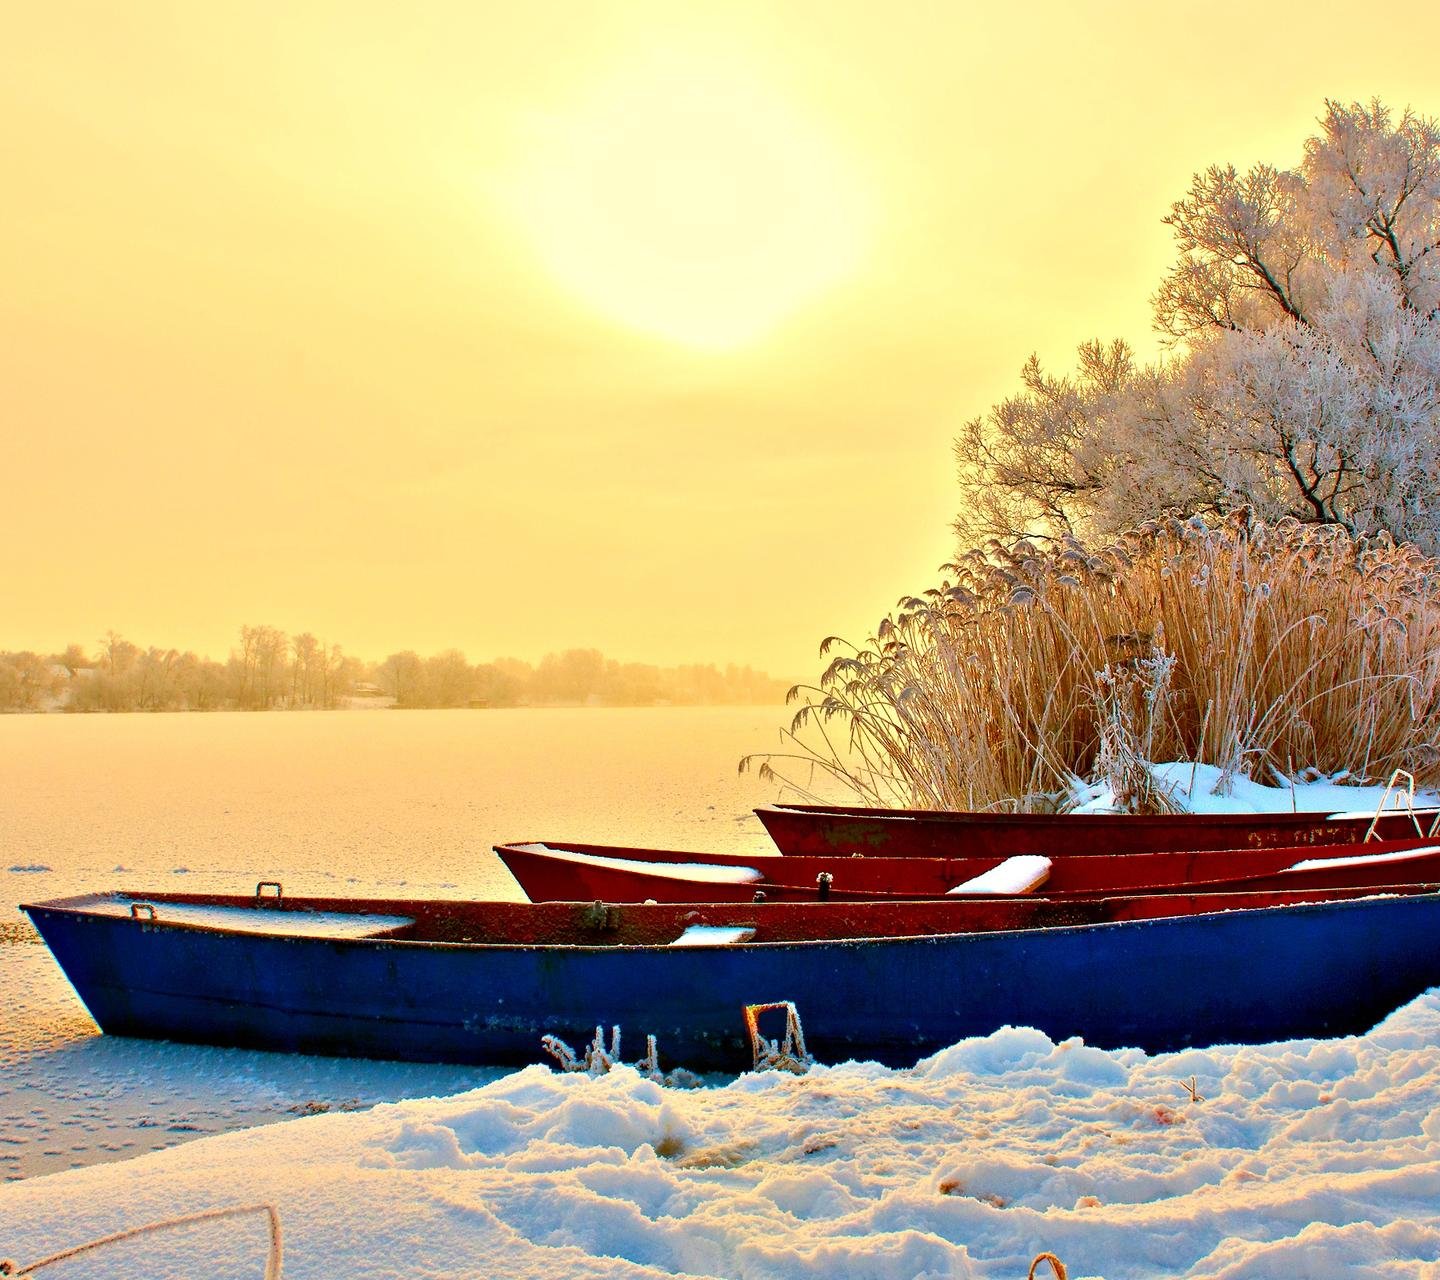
[[1056, 1266], [272, 1264]]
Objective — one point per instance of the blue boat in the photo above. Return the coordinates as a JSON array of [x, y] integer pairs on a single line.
[[483, 982]]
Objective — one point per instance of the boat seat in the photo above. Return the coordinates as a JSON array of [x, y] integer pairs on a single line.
[[714, 935], [1024, 873]]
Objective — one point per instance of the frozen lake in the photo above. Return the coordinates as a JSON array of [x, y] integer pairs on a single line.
[[404, 804]]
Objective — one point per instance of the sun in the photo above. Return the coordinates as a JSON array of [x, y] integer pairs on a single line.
[[691, 202]]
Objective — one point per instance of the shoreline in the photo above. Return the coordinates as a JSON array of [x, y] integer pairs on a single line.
[[71, 1097], [1302, 1157]]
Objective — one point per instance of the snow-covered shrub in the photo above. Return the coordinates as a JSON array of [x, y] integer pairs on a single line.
[[1262, 649]]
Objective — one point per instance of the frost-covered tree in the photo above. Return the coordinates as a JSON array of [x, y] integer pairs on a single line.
[[1303, 379]]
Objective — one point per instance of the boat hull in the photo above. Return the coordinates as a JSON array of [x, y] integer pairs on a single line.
[[814, 829], [1320, 969], [566, 873]]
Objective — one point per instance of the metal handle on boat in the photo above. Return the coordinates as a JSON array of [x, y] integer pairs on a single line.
[[137, 907], [1408, 795], [269, 884]]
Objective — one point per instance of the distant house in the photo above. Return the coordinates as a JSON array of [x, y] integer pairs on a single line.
[[61, 678], [366, 696]]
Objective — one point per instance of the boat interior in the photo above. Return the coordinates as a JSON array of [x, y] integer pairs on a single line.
[[599, 924]]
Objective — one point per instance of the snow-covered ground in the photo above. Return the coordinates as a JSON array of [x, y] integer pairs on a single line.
[[1310, 1158], [1202, 788], [1303, 1159]]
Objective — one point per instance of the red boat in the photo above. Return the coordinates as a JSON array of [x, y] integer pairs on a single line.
[[575, 872], [931, 833]]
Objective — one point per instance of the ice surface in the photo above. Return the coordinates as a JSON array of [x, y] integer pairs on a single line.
[[71, 1097]]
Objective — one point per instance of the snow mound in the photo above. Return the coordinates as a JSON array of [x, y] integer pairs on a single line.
[[1203, 788], [1302, 1158]]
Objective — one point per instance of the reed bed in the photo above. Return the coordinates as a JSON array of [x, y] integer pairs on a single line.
[[1273, 651]]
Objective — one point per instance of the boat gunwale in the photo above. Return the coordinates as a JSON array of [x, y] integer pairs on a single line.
[[968, 817], [1375, 895]]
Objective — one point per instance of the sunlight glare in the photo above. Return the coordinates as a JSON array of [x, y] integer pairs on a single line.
[[694, 204]]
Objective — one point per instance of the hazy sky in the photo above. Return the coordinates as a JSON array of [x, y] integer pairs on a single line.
[[523, 326]]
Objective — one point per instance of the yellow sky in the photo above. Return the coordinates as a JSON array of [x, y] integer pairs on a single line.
[[516, 327]]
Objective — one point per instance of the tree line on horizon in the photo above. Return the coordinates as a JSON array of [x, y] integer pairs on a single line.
[[271, 670]]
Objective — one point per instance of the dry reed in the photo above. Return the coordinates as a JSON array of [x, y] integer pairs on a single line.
[[1266, 650]]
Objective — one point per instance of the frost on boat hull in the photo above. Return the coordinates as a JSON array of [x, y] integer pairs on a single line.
[[482, 982]]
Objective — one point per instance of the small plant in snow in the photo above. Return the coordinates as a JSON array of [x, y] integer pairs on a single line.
[[598, 1060], [1129, 701]]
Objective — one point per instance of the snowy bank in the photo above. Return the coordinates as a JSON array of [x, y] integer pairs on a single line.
[[1203, 788], [1306, 1158]]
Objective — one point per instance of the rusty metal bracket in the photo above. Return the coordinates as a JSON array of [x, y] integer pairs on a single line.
[[787, 1054]]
